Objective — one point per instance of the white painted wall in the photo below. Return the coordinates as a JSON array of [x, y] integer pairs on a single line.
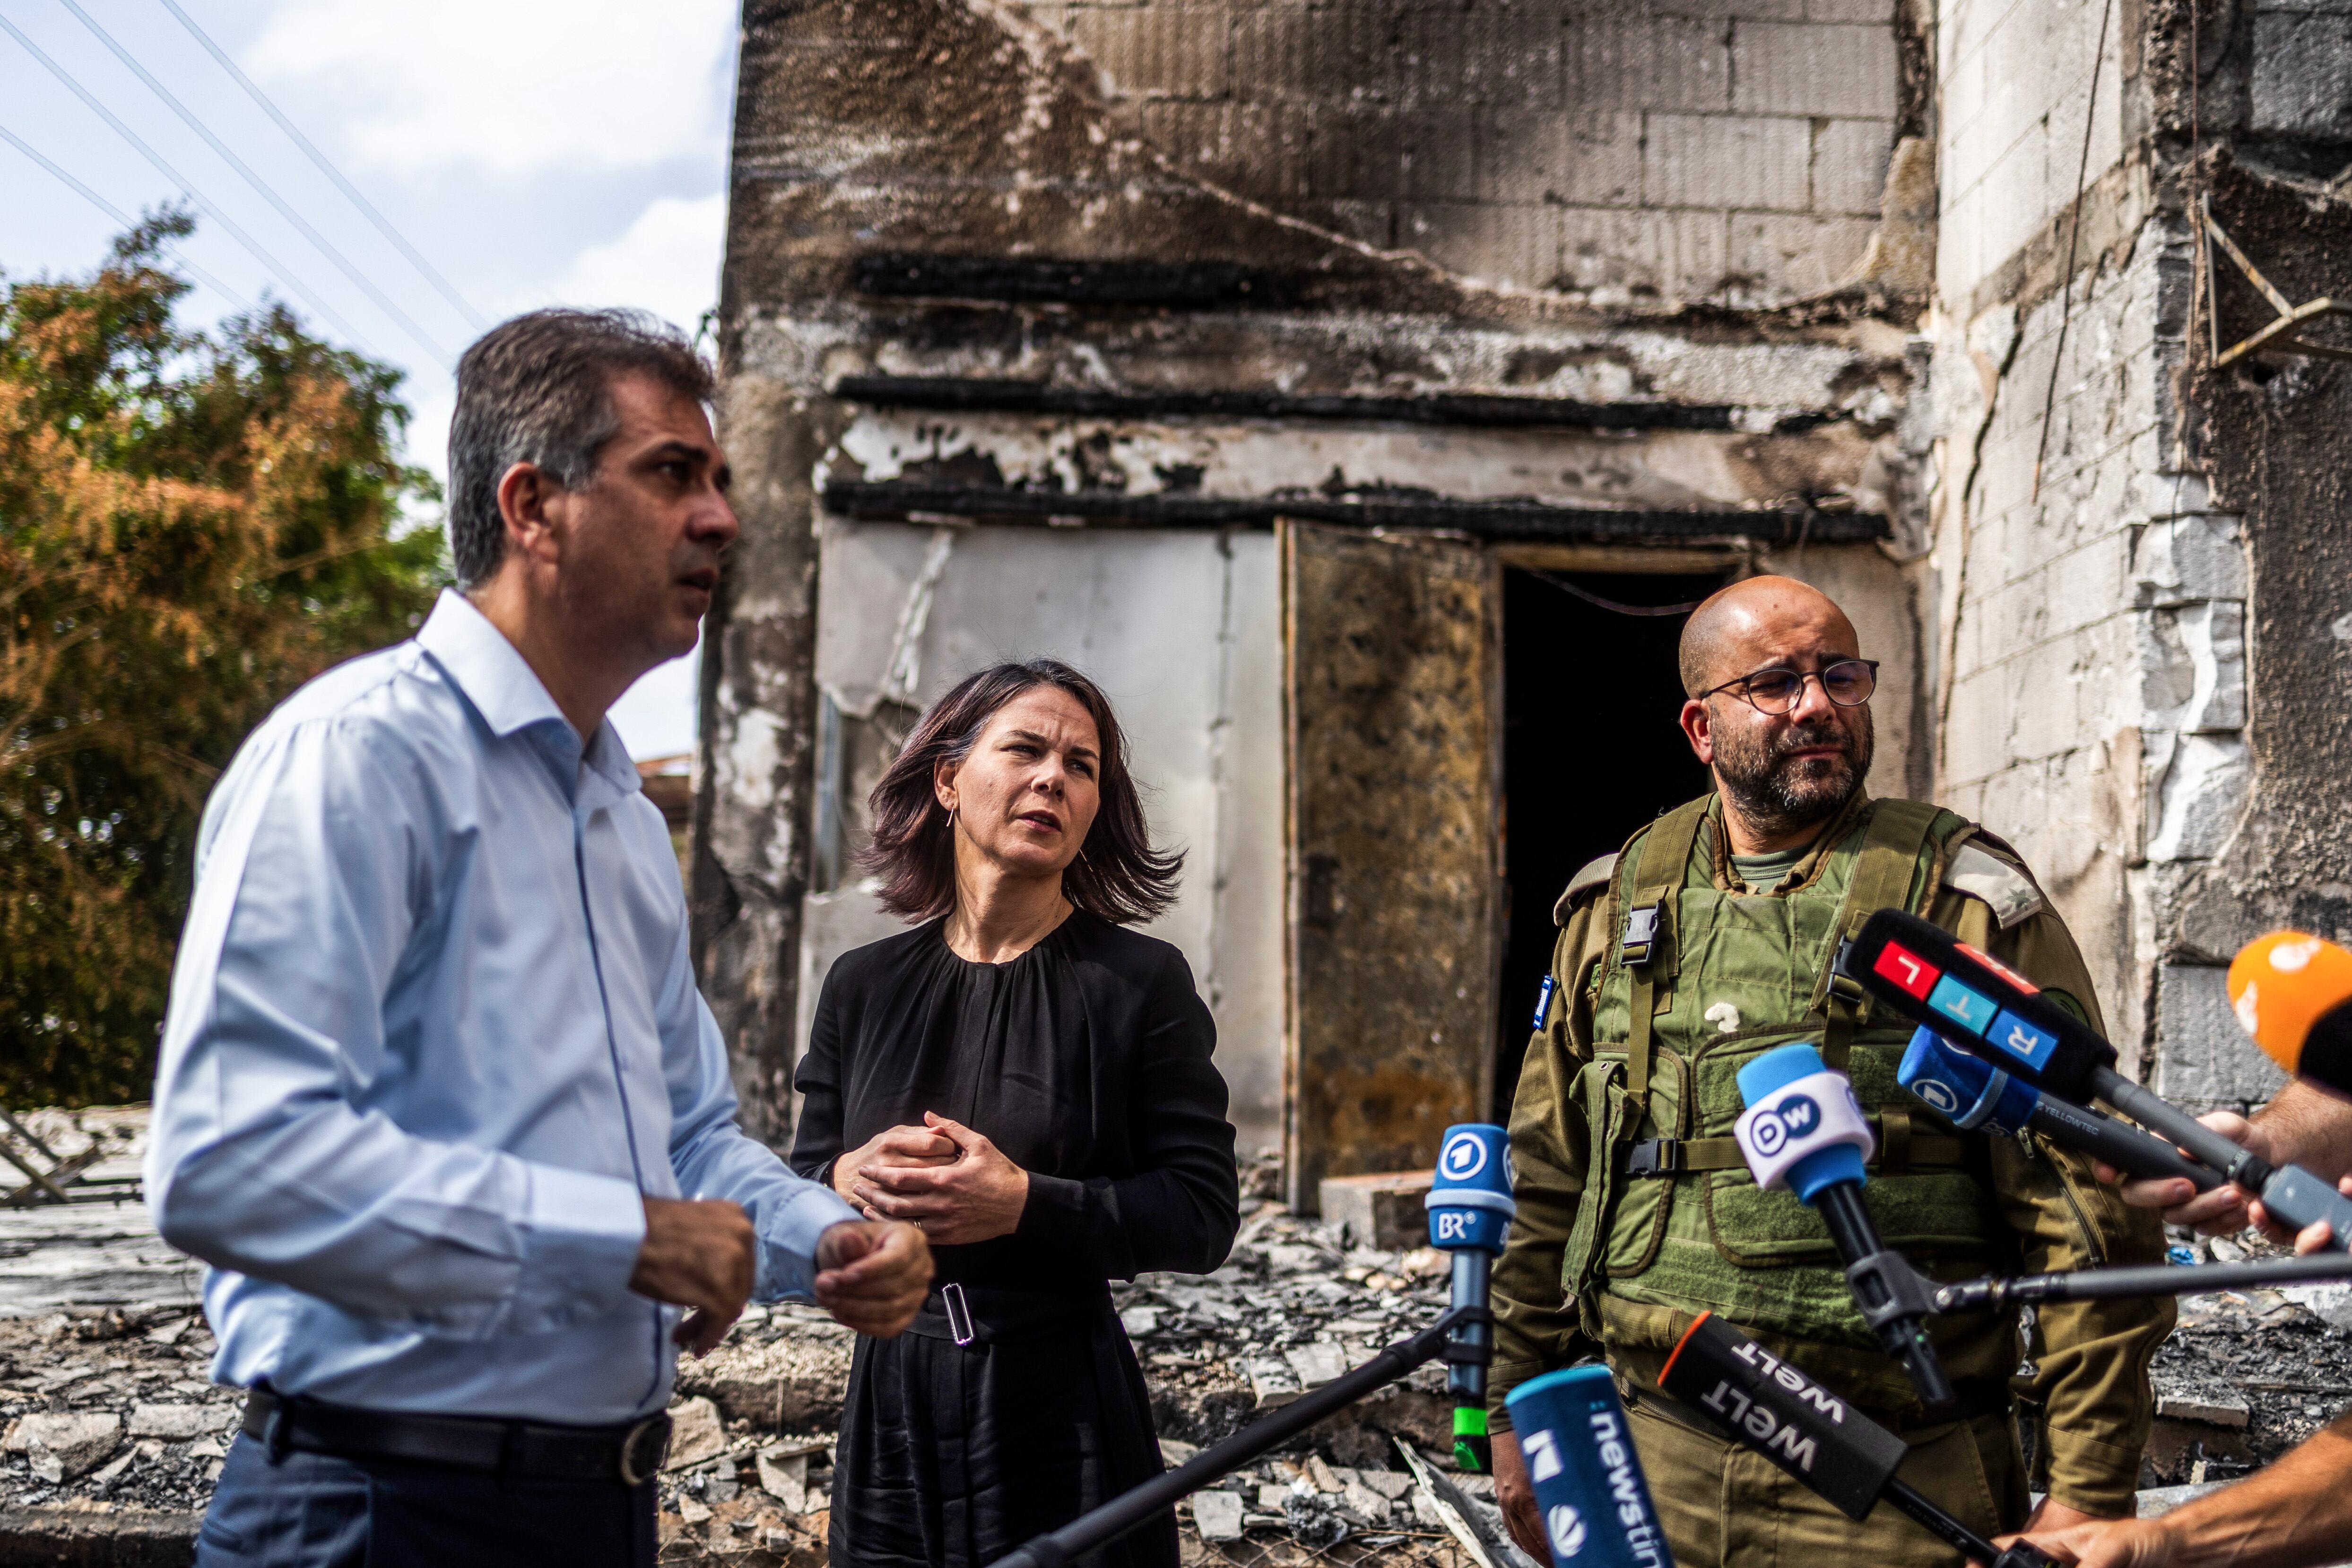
[[1181, 627]]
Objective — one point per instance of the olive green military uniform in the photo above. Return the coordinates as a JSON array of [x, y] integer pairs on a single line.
[[1636, 1213]]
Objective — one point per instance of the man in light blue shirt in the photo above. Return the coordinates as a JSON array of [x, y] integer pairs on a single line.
[[439, 1101]]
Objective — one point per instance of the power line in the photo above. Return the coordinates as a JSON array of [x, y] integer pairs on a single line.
[[366, 283], [186, 186], [384, 224], [117, 214]]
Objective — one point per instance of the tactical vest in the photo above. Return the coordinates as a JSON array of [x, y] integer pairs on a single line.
[[1697, 982]]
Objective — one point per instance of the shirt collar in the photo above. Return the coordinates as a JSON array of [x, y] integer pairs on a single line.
[[508, 693]]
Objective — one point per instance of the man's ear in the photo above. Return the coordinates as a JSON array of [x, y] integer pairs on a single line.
[[526, 493], [1698, 728]]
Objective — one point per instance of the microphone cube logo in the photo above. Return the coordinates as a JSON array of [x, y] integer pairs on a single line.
[[1937, 1094], [1565, 1526]]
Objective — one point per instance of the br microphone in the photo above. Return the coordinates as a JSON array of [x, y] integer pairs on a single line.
[[1804, 1131], [1917, 970], [1470, 1209], [1811, 1433], [1588, 1481], [1980, 1097], [2293, 993]]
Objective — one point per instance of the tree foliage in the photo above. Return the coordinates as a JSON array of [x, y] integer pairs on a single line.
[[192, 524]]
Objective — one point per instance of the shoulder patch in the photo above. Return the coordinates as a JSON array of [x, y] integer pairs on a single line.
[[1591, 874], [2006, 889]]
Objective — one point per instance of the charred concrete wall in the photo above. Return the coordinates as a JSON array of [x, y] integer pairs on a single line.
[[2133, 550], [1037, 320]]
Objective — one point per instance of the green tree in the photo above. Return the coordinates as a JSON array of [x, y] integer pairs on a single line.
[[192, 524]]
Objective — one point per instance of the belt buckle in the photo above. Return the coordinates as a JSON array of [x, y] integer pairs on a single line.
[[959, 1312], [645, 1448], [1654, 1158]]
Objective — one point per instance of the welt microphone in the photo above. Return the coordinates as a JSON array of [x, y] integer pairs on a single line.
[[1980, 1097], [1803, 1131], [1470, 1209], [1917, 970], [2293, 993], [1811, 1433], [1588, 1481]]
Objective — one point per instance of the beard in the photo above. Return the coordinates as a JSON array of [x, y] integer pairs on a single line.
[[1778, 792]]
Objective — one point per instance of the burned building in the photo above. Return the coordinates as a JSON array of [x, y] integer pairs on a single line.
[[1336, 381]]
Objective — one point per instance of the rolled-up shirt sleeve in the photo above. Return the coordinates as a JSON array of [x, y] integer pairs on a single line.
[[714, 1158], [266, 1155]]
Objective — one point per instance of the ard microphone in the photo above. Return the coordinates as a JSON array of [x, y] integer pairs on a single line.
[[1470, 1209], [2293, 993], [1816, 1436], [1804, 1131], [1980, 1097], [1917, 970], [1590, 1490]]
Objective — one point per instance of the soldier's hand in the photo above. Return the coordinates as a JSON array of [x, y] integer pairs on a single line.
[[2225, 1210], [697, 1253], [875, 1275], [1516, 1496], [2105, 1543]]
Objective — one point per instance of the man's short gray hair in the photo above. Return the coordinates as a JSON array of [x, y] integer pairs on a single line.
[[539, 390]]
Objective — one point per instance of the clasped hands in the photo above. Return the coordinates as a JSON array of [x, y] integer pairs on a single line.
[[949, 1182], [703, 1254]]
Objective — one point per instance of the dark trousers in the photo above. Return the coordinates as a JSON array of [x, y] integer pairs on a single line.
[[311, 1511]]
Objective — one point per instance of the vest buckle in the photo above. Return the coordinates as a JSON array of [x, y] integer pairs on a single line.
[[1641, 935], [1654, 1158]]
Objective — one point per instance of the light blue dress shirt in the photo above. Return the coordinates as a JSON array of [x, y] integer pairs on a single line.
[[432, 1030]]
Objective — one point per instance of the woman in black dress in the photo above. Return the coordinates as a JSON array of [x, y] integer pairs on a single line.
[[1029, 1082]]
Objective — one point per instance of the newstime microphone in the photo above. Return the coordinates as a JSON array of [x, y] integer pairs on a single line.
[[1811, 1433], [1918, 971], [1590, 1490], [1804, 1132], [2292, 994]]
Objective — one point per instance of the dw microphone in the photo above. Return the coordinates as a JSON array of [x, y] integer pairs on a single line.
[[1804, 1131], [1917, 970], [1826, 1444], [1470, 1209], [1979, 1096], [1588, 1480]]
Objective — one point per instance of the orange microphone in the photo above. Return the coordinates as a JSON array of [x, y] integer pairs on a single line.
[[2293, 993]]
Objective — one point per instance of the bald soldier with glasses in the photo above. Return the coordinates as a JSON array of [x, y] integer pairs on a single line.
[[1707, 941]]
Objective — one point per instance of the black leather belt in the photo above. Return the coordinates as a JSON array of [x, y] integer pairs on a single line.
[[515, 1450]]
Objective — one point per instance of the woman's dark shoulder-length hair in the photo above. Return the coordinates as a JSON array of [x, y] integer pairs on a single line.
[[1117, 874]]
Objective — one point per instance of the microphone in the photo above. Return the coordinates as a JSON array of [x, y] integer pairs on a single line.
[[1803, 1131], [1470, 1209], [1975, 1003], [1979, 1096], [1817, 1437], [2293, 993], [1589, 1486]]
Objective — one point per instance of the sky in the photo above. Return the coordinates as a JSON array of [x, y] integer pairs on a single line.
[[530, 152]]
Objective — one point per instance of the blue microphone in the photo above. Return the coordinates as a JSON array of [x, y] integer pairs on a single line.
[[1977, 1095], [1804, 1131], [1470, 1209], [1588, 1480]]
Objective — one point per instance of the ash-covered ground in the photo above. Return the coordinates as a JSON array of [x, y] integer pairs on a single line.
[[109, 1425]]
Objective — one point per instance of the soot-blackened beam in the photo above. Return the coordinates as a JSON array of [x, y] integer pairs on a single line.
[[898, 501], [1041, 280], [952, 394]]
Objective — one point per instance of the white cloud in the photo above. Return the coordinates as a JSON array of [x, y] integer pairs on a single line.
[[666, 262], [512, 87]]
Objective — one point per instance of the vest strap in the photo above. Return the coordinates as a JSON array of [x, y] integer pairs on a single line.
[[1662, 1157], [1648, 947], [1883, 873]]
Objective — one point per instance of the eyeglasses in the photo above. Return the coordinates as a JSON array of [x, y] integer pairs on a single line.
[[1848, 682]]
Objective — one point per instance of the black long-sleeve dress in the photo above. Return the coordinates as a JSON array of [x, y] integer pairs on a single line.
[[1086, 1061]]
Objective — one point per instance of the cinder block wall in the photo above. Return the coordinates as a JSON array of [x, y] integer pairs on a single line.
[[1730, 151]]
